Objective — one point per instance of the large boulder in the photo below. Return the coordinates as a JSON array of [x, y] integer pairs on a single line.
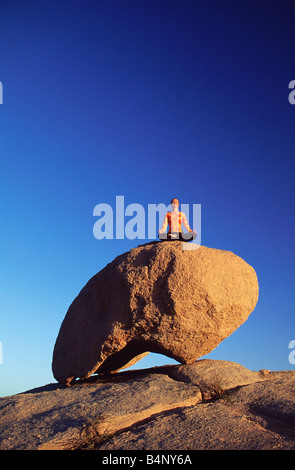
[[157, 297]]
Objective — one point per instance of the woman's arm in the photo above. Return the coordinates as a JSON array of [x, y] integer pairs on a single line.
[[185, 223], [164, 226]]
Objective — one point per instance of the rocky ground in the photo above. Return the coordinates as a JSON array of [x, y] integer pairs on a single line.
[[206, 405]]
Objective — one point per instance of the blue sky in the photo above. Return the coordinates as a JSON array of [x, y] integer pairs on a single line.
[[151, 100]]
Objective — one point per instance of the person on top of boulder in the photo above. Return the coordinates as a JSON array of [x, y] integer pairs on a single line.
[[175, 219]]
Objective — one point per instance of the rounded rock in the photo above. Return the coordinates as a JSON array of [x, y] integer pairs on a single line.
[[157, 297]]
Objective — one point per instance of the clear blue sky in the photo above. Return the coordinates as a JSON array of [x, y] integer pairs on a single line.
[[149, 99]]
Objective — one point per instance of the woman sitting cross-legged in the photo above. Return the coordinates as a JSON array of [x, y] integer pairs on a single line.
[[175, 219]]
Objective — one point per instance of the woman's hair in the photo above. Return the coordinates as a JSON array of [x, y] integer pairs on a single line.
[[173, 199]]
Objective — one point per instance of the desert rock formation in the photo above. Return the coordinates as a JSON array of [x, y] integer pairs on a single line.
[[206, 405], [157, 297]]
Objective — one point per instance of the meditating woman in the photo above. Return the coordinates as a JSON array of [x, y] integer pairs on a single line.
[[175, 219]]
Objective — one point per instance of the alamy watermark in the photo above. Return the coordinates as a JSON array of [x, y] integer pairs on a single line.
[[1, 93], [292, 353], [291, 96], [135, 222]]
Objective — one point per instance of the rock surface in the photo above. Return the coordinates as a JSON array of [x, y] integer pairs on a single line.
[[157, 297], [205, 405]]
